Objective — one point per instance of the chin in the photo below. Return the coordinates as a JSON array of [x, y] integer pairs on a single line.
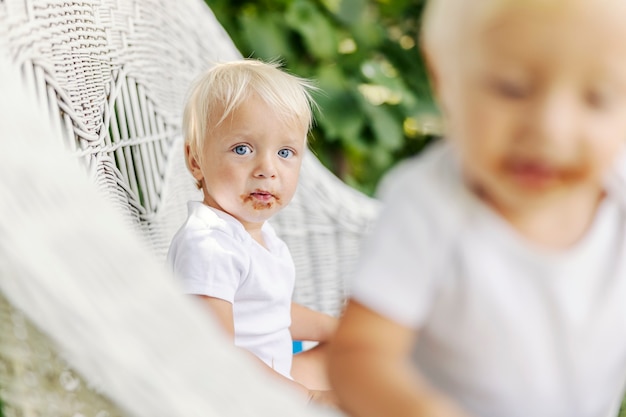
[[258, 217]]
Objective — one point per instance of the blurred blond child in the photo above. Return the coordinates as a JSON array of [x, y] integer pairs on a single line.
[[495, 282], [246, 124]]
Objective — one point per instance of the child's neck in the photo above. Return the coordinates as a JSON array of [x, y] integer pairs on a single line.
[[257, 234], [254, 229], [558, 224]]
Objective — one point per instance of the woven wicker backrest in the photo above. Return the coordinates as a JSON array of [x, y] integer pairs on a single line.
[[112, 75], [91, 324]]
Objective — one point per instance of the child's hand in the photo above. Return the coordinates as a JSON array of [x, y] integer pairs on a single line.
[[325, 398]]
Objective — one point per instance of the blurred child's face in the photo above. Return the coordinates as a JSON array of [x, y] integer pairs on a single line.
[[251, 163], [537, 102]]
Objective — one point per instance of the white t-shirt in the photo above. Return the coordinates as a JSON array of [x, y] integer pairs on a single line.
[[214, 255], [504, 328]]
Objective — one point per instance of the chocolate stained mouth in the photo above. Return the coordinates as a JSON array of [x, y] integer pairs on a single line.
[[259, 205], [563, 174]]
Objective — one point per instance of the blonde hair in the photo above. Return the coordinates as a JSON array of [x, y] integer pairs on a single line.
[[446, 23], [217, 93]]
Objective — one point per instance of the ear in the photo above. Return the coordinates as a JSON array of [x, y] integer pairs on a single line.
[[428, 61], [432, 70], [435, 76], [192, 163]]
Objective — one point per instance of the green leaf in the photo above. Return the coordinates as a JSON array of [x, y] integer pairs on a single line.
[[316, 30], [381, 158], [265, 36], [331, 78], [351, 11], [341, 116], [367, 33], [386, 125], [359, 138]]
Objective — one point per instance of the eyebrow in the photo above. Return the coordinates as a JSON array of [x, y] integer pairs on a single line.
[[244, 135]]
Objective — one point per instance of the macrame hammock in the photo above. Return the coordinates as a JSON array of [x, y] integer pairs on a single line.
[[93, 186]]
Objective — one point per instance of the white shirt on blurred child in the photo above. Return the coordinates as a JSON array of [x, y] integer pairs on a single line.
[[503, 325]]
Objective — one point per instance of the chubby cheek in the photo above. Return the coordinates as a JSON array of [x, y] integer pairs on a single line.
[[289, 190], [481, 145], [228, 173], [601, 159], [222, 179], [480, 170], [481, 166], [472, 124], [603, 146], [290, 184]]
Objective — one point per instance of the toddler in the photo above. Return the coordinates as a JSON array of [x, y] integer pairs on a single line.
[[245, 125], [495, 282]]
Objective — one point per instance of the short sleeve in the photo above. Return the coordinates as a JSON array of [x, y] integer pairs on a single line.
[[208, 264], [397, 273]]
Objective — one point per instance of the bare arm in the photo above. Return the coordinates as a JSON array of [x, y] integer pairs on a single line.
[[371, 373], [223, 311], [310, 367], [307, 324]]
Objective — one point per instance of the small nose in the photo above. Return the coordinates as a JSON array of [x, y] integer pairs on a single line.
[[557, 118], [265, 167]]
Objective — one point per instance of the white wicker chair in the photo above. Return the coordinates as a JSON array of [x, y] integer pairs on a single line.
[[110, 78], [90, 323]]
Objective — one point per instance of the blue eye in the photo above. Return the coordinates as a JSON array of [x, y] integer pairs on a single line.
[[242, 149], [285, 153]]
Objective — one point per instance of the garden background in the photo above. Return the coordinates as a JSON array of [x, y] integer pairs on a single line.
[[375, 101]]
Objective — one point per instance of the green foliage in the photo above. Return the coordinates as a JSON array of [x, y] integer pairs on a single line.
[[622, 409], [375, 102]]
